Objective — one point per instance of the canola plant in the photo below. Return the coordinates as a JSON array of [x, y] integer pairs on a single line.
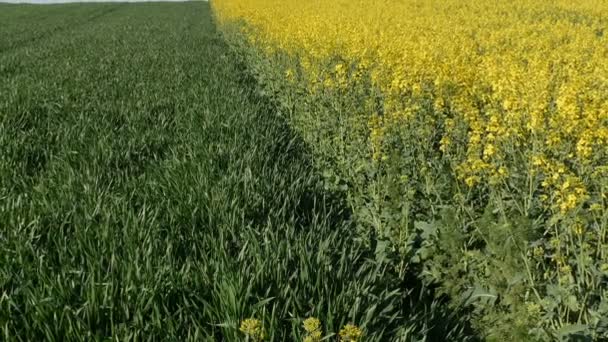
[[483, 122]]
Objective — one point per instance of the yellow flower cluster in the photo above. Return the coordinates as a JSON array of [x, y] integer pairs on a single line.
[[312, 326], [525, 78], [253, 329], [351, 333]]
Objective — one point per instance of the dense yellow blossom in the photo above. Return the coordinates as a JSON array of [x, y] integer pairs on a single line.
[[525, 73], [350, 333], [253, 329], [312, 326]]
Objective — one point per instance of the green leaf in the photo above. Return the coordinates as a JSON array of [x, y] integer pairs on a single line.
[[426, 229], [568, 330], [381, 251]]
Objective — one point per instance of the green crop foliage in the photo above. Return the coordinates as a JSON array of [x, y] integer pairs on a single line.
[[148, 192]]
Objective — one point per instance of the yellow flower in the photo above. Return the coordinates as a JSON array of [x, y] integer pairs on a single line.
[[340, 68], [444, 144], [489, 151], [350, 332], [315, 336], [312, 324], [253, 329], [538, 161], [290, 75], [471, 181], [569, 203], [534, 309], [578, 229]]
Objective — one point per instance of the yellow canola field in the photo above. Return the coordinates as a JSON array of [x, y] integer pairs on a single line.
[[524, 77], [507, 100]]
